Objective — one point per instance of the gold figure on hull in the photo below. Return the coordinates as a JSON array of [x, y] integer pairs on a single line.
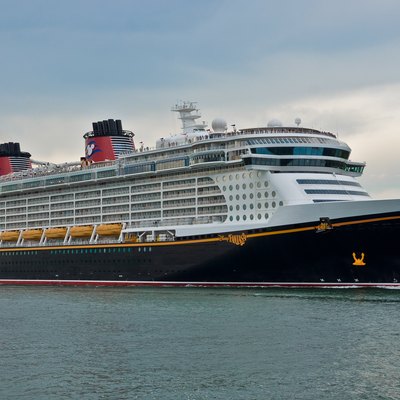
[[359, 262], [324, 225]]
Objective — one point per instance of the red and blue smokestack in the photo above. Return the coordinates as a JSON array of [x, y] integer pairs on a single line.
[[107, 141], [12, 159]]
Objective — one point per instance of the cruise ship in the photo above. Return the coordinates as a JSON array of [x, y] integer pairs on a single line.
[[267, 206]]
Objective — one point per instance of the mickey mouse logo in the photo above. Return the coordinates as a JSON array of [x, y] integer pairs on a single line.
[[91, 149]]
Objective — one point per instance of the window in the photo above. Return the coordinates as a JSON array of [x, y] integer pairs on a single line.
[[56, 180], [326, 182], [80, 177], [326, 191], [303, 162], [107, 173]]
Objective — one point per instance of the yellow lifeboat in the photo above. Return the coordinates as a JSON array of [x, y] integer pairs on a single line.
[[9, 236], [81, 231], [32, 234], [131, 238], [109, 229], [56, 233]]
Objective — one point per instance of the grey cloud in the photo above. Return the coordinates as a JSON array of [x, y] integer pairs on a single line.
[[65, 65]]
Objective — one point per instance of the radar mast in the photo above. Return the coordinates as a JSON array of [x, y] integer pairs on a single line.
[[185, 110]]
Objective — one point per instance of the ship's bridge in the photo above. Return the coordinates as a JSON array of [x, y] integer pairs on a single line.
[[288, 149]]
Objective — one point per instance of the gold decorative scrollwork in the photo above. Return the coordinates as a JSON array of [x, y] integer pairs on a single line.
[[238, 240]]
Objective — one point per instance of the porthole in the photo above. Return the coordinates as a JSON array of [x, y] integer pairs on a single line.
[[230, 197], [259, 216], [251, 185], [244, 197], [238, 207], [259, 195], [237, 187], [273, 204], [251, 206], [244, 206], [266, 216], [224, 178], [237, 176], [231, 218], [258, 184], [237, 218], [244, 186], [224, 188], [281, 203], [266, 205], [251, 195], [258, 173], [230, 187], [244, 217], [237, 197], [266, 195], [230, 177], [266, 183], [251, 175], [251, 216], [230, 208], [259, 205], [244, 175], [273, 194]]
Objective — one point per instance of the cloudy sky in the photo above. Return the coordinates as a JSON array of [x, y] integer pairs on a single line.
[[334, 64]]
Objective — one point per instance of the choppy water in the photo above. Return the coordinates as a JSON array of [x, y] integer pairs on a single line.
[[164, 343]]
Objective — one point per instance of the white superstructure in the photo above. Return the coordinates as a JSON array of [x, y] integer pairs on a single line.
[[198, 180]]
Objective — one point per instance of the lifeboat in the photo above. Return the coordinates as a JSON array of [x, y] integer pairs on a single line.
[[56, 233], [131, 239], [109, 230], [32, 234], [81, 231], [10, 236]]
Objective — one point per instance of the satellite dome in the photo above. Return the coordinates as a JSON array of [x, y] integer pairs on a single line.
[[219, 125], [274, 123], [297, 121]]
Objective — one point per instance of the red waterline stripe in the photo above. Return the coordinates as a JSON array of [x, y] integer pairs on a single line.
[[46, 282]]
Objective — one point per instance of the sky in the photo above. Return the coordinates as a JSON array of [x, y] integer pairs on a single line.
[[334, 64]]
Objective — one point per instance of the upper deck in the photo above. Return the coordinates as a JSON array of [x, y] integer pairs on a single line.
[[201, 147]]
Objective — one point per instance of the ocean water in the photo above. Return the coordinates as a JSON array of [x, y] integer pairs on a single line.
[[198, 343]]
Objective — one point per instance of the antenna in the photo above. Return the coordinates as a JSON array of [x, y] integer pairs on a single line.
[[185, 109]]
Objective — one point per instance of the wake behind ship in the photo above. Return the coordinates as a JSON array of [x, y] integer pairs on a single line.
[[266, 206]]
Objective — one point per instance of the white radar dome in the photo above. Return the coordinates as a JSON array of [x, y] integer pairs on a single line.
[[219, 125], [297, 121], [274, 123]]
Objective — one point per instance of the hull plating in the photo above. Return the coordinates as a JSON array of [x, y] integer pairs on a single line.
[[353, 253]]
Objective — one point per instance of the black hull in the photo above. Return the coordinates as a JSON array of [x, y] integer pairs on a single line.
[[299, 255]]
